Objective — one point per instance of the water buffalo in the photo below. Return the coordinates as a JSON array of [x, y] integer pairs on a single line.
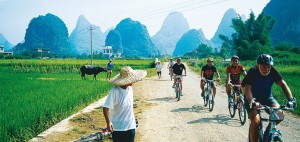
[[91, 69]]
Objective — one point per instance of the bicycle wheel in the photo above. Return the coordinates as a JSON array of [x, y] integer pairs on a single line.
[[211, 102], [178, 92], [231, 106], [205, 98], [242, 111]]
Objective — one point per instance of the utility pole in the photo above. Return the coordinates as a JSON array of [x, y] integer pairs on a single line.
[[91, 35]]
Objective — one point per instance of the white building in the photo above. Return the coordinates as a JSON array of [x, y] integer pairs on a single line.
[[107, 51], [5, 53]]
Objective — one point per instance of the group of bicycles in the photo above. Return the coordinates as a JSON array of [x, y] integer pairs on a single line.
[[236, 104]]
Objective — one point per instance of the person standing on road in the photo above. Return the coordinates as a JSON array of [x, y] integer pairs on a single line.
[[207, 73], [233, 73], [118, 107], [109, 68], [178, 67], [158, 69], [258, 84]]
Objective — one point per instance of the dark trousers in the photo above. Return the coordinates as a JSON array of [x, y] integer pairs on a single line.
[[123, 136]]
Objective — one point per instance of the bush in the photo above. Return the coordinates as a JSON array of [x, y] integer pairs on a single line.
[[1, 56]]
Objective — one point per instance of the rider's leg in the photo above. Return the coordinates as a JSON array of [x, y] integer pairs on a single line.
[[228, 91], [214, 89], [254, 125], [202, 84]]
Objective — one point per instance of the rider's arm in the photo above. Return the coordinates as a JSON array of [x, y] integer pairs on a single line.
[[248, 93], [285, 88], [201, 75], [244, 72], [107, 120], [228, 78]]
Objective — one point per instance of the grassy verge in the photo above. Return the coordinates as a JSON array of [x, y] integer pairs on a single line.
[[40, 93]]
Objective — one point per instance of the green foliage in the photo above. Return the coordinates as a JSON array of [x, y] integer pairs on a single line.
[[1, 56], [202, 51], [136, 40], [113, 39], [287, 14], [251, 37], [47, 32], [286, 46]]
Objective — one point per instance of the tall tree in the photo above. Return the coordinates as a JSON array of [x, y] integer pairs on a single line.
[[252, 37]]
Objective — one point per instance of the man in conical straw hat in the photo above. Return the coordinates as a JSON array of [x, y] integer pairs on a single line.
[[118, 107]]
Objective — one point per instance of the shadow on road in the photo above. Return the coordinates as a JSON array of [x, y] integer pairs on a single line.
[[165, 99], [218, 119], [180, 109]]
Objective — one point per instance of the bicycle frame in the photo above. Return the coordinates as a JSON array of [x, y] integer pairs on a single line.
[[208, 95], [274, 132]]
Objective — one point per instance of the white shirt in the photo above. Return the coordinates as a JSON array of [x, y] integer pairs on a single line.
[[158, 67], [120, 105], [171, 64]]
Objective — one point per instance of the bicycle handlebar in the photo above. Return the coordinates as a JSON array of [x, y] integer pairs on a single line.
[[282, 107]]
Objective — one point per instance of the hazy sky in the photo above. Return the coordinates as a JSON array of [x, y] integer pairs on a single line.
[[15, 15]]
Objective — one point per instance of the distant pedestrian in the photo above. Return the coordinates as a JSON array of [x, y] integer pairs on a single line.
[[118, 107], [109, 68], [158, 69]]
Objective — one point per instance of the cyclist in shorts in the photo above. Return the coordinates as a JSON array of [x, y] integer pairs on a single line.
[[258, 84], [207, 73], [171, 63], [233, 73], [178, 67]]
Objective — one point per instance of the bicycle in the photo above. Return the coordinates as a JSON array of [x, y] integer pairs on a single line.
[[237, 103], [274, 134], [95, 137], [178, 87], [208, 95]]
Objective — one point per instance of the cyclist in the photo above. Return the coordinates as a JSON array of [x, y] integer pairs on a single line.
[[207, 72], [171, 63], [258, 84], [178, 67], [233, 73]]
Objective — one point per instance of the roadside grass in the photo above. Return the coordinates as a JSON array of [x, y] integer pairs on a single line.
[[36, 94]]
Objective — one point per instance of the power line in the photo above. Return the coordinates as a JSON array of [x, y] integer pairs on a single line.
[[173, 7], [168, 7], [163, 13]]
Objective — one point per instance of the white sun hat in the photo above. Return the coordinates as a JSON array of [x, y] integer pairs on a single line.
[[128, 76]]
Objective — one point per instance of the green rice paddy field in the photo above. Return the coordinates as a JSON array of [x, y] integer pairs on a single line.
[[35, 94]]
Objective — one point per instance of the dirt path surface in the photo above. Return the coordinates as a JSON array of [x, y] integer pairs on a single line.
[[188, 121], [164, 119]]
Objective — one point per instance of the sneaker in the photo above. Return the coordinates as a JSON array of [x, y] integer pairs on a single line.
[[173, 86], [181, 94]]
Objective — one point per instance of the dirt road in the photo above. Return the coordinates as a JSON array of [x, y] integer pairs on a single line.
[[163, 119], [187, 120]]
